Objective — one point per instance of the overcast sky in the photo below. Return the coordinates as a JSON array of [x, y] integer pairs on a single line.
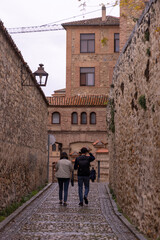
[[48, 48]]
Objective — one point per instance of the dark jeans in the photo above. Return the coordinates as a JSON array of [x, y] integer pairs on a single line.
[[83, 180], [63, 184]]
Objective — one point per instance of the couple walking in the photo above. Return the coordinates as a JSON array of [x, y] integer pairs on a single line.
[[63, 172]]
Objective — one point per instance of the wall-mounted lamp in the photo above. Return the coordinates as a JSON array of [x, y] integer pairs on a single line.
[[41, 76]]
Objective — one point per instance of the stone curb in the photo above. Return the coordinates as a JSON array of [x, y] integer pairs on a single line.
[[21, 208], [122, 218]]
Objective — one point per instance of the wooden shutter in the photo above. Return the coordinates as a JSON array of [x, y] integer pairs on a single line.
[[83, 79]]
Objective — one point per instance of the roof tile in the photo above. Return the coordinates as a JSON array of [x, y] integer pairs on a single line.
[[102, 150], [110, 21], [92, 100]]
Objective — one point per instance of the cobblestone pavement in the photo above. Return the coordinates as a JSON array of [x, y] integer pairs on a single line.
[[45, 219]]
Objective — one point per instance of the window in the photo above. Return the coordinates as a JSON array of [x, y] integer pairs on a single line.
[[87, 43], [87, 76], [56, 118], [116, 42], [83, 118], [74, 118], [93, 118], [54, 147], [60, 147]]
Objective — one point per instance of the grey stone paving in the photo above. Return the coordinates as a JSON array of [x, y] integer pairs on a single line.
[[45, 219]]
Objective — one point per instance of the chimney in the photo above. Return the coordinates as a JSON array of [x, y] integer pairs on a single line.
[[103, 13]]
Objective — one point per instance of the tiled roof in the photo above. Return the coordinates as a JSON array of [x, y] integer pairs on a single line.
[[60, 90], [74, 154], [102, 150], [91, 100], [110, 21], [98, 143]]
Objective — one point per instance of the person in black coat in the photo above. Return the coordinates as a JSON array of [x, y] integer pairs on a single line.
[[93, 174], [82, 164]]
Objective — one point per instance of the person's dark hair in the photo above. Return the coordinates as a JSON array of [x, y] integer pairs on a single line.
[[84, 150], [64, 155]]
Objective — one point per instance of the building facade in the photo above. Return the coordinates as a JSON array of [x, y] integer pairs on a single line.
[[92, 51], [77, 114]]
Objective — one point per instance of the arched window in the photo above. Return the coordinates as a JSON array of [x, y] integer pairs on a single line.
[[83, 118], [54, 147], [56, 118], [74, 118], [92, 118]]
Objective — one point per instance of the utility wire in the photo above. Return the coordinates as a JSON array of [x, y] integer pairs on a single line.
[[70, 18], [77, 16], [53, 26]]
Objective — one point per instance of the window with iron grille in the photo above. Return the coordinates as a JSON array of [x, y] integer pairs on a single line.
[[116, 42], [83, 118], [87, 43], [74, 118], [87, 76]]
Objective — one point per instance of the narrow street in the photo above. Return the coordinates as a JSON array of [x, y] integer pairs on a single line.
[[45, 219]]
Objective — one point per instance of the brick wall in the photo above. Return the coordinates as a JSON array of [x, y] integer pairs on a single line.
[[103, 60], [74, 136], [23, 126], [65, 119], [128, 17], [135, 146]]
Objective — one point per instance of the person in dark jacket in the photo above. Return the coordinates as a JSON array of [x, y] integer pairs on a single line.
[[82, 164], [93, 174]]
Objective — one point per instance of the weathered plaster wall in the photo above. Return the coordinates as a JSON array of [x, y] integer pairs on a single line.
[[23, 126], [134, 147]]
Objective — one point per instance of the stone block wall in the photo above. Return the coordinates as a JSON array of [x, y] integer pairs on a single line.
[[23, 126], [133, 117]]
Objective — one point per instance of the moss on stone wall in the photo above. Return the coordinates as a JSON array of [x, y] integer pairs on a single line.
[[134, 148]]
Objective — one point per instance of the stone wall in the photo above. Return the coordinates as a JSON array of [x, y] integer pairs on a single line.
[[134, 122], [23, 126]]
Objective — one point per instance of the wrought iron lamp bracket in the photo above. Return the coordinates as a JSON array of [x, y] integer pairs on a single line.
[[26, 78]]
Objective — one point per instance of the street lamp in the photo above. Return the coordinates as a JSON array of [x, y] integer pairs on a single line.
[[41, 76]]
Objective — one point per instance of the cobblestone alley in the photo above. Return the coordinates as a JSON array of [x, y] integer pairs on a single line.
[[45, 219]]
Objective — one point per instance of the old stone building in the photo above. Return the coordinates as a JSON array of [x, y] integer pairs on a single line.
[[23, 125], [134, 122], [77, 115]]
